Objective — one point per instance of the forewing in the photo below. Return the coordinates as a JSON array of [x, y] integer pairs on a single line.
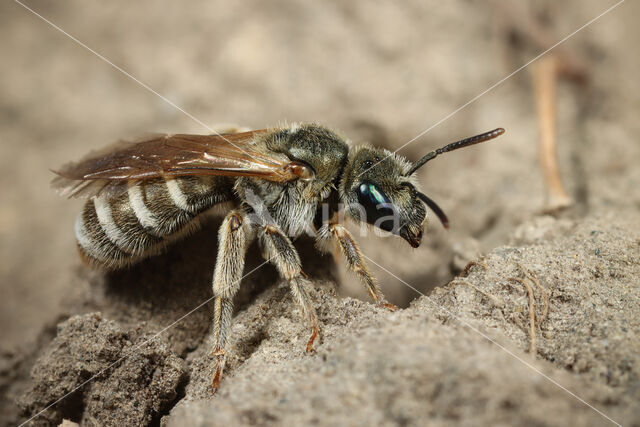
[[170, 156]]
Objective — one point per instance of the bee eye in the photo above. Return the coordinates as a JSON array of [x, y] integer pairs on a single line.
[[367, 164], [376, 205], [372, 194]]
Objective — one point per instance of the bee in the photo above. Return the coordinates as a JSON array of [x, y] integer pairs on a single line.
[[279, 183]]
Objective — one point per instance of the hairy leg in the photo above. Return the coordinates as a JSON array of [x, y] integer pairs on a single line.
[[232, 247], [280, 250], [356, 263]]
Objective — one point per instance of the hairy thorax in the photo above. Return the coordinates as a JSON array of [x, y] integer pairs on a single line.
[[292, 207]]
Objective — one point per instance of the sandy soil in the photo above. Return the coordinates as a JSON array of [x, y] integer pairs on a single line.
[[381, 74]]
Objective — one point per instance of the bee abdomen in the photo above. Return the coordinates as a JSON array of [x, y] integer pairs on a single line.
[[120, 230]]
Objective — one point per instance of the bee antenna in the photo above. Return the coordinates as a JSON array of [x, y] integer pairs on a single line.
[[435, 208], [454, 146]]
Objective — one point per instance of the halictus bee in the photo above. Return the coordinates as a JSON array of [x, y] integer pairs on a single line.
[[278, 182]]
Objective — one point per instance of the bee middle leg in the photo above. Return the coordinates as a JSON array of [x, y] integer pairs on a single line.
[[356, 263], [233, 239], [284, 256]]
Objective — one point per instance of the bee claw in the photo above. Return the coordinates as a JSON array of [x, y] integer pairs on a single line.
[[314, 335], [388, 306], [215, 383]]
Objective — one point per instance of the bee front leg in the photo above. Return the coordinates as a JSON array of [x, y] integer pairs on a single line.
[[355, 263], [232, 244], [284, 256]]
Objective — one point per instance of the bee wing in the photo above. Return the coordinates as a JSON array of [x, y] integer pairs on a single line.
[[169, 156]]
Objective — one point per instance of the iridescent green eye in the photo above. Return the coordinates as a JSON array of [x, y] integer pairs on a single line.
[[371, 192], [376, 205]]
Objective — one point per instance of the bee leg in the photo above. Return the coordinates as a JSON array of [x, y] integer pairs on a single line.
[[286, 259], [232, 243], [355, 263]]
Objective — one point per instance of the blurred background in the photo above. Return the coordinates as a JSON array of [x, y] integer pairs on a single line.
[[379, 72]]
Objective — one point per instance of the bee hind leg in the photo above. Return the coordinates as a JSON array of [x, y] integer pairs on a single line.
[[356, 263], [232, 244], [279, 249]]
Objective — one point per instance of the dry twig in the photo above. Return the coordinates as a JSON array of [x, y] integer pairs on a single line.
[[545, 294], [545, 75], [532, 313], [494, 300], [526, 29], [470, 265]]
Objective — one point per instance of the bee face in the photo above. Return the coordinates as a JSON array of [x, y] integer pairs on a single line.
[[383, 196]]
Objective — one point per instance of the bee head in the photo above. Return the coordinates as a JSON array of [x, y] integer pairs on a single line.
[[376, 189], [380, 188]]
